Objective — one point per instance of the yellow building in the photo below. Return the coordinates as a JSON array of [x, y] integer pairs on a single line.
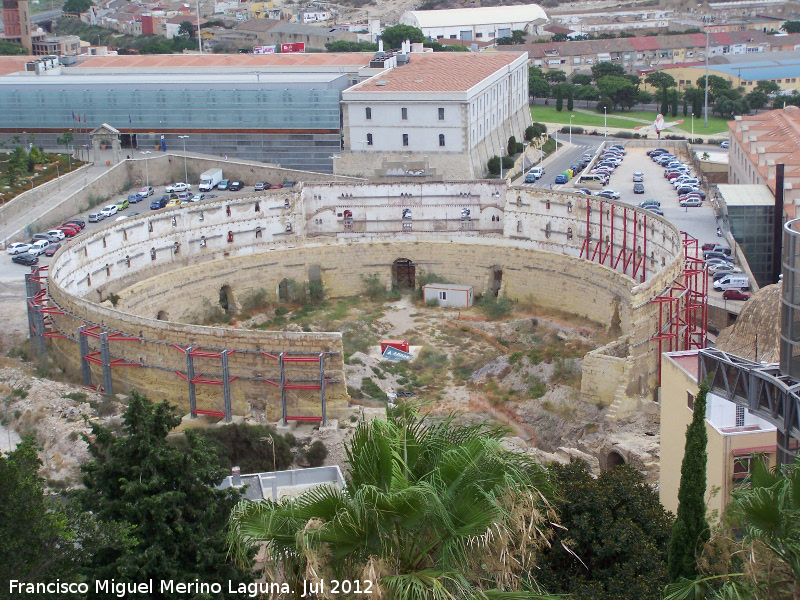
[[735, 436]]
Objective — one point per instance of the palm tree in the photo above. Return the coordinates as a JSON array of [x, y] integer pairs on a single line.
[[757, 552], [431, 511]]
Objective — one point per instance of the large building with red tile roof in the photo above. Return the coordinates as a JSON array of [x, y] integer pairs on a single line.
[[759, 142], [446, 113]]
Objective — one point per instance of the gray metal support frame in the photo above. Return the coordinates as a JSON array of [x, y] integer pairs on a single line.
[[39, 343], [189, 380], [283, 388], [105, 357], [226, 386], [86, 369], [322, 386]]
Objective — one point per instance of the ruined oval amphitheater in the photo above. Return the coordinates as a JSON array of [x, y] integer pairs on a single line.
[[120, 298]]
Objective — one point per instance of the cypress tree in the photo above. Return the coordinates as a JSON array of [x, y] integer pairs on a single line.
[[664, 101], [685, 107], [559, 98], [674, 101], [569, 101], [690, 530]]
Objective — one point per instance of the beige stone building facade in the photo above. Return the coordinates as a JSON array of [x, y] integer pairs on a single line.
[[735, 437]]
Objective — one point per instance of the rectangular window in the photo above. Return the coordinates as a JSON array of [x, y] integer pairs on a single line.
[[442, 295], [690, 400], [404, 113], [405, 138], [441, 139], [369, 139], [739, 415], [369, 113], [441, 114]]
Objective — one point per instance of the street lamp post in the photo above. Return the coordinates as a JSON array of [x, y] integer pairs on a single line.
[[705, 103], [147, 170], [58, 175], [185, 170], [605, 123], [693, 128]]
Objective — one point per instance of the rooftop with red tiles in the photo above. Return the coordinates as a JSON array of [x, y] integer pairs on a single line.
[[193, 61], [439, 72]]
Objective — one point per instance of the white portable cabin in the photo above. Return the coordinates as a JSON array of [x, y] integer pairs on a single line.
[[449, 294]]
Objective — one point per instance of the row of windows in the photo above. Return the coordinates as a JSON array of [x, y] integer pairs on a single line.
[[405, 139], [403, 113]]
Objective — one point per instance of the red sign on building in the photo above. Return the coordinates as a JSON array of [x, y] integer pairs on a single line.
[[298, 47]]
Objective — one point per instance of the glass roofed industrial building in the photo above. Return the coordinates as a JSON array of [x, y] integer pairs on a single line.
[[287, 118]]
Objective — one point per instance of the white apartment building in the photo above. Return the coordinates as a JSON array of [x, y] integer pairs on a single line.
[[442, 113], [480, 24]]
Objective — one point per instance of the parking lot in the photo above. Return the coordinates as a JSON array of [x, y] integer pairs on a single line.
[[699, 222], [139, 208]]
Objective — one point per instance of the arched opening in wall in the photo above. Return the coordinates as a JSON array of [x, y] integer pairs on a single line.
[[496, 281], [226, 299], [283, 290], [614, 460], [404, 274], [162, 315]]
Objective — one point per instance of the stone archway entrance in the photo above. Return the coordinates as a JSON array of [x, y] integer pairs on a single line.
[[283, 290], [404, 274], [614, 460], [496, 281], [226, 300]]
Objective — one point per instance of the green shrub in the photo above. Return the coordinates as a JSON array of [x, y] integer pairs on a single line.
[[255, 300], [316, 454], [575, 130], [494, 164], [371, 389], [495, 307], [246, 446], [77, 396], [290, 439], [538, 387], [627, 135], [281, 310]]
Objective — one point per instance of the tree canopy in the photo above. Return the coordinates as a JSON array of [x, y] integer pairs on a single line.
[[604, 69], [619, 90], [690, 530], [660, 79], [76, 7], [431, 510], [616, 536], [166, 494], [791, 27], [11, 49], [395, 35]]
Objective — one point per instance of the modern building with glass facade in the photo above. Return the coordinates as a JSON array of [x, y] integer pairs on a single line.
[[289, 117], [751, 213]]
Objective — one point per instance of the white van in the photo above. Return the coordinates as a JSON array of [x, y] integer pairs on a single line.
[[592, 181], [732, 281], [38, 248]]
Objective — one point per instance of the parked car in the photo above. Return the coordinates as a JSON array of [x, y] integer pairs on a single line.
[[725, 145], [732, 281], [638, 188], [650, 202], [79, 222], [18, 248], [25, 259], [638, 177], [109, 210], [197, 198], [610, 194], [561, 178], [51, 249], [291, 184], [710, 254], [720, 274], [735, 294], [537, 171], [690, 202], [687, 189], [174, 202], [57, 233], [69, 231], [262, 185], [38, 248], [222, 185], [44, 236], [184, 197], [276, 186], [656, 152], [122, 204], [178, 187], [96, 217], [134, 198], [160, 202], [653, 209], [235, 186], [147, 191]]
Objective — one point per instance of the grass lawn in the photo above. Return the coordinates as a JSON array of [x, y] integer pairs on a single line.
[[626, 120]]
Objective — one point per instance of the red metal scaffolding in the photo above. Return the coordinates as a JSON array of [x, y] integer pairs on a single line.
[[621, 248]]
